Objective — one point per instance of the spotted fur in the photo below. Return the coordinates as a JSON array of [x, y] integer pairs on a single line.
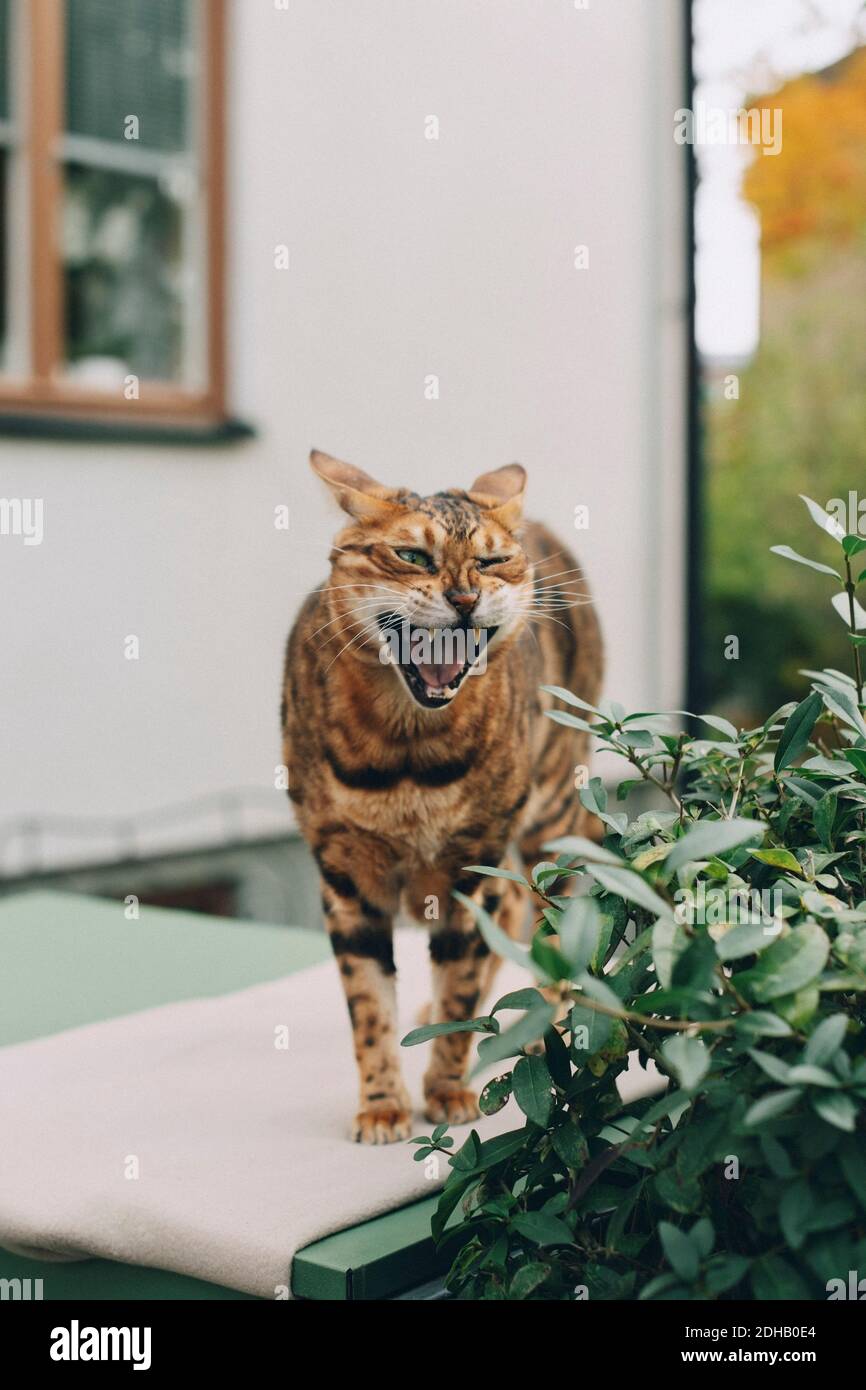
[[395, 799]]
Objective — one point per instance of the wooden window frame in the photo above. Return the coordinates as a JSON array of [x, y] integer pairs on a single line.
[[45, 389]]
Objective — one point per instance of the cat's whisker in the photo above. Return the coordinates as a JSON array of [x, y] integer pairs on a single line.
[[314, 540], [554, 605], [548, 559], [575, 569], [371, 604], [364, 621], [533, 614], [352, 641], [333, 588]]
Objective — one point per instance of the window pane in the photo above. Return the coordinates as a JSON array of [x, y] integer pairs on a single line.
[[129, 58], [781, 281], [124, 279]]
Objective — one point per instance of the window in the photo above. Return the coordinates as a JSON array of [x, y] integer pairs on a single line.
[[110, 208], [781, 330]]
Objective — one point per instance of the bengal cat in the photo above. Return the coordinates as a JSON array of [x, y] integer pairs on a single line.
[[404, 770]]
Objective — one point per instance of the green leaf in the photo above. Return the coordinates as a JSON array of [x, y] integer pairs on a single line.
[[526, 1030], [724, 1271], [570, 1145], [570, 699], [795, 1212], [836, 1109], [664, 1286], [681, 1193], [549, 958], [785, 967], [824, 818], [668, 943], [688, 1058], [712, 837], [823, 519], [769, 1107], [571, 721], [759, 1023], [519, 999], [805, 1075], [857, 758], [715, 721], [853, 545], [579, 930], [744, 941], [624, 883], [842, 605], [776, 1157], [532, 1085], [528, 1278], [774, 1067], [580, 848], [451, 1194], [703, 1237], [500, 943], [779, 859], [495, 873], [590, 1031], [799, 1009], [438, 1030], [788, 554], [826, 1040], [841, 701], [852, 1161], [542, 1228], [468, 1154], [794, 738], [495, 1095], [600, 992], [680, 1251], [773, 1279], [557, 1057]]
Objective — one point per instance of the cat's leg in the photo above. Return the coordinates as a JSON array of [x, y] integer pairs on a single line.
[[358, 905], [554, 808], [507, 904], [463, 969]]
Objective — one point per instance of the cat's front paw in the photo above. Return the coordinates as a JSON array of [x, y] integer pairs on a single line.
[[450, 1104], [384, 1121]]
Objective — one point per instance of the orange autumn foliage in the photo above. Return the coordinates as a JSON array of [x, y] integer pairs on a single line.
[[814, 191]]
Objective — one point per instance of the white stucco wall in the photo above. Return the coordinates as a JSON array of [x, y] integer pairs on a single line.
[[409, 257]]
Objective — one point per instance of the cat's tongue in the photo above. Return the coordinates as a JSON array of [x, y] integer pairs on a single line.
[[435, 676]]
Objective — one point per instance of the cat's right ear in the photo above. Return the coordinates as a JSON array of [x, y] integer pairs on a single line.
[[357, 493]]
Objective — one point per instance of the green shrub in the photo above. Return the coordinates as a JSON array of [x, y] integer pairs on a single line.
[[723, 938]]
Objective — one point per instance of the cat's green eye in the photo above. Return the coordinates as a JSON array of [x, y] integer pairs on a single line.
[[415, 557]]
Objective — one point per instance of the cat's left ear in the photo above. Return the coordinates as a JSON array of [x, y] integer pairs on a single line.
[[501, 493]]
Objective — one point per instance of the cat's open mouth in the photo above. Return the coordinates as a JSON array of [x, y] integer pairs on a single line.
[[434, 662]]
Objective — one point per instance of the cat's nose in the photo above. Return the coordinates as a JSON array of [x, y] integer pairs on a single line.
[[463, 602]]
